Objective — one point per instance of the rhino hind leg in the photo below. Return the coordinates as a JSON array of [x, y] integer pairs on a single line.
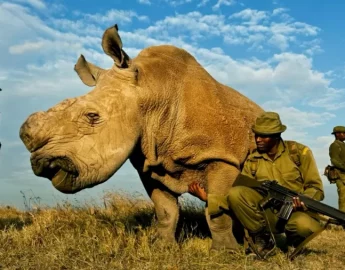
[[221, 229], [167, 212], [220, 177]]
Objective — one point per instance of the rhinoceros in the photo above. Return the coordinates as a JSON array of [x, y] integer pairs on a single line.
[[161, 110]]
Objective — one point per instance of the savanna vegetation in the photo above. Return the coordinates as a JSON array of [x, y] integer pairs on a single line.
[[120, 234]]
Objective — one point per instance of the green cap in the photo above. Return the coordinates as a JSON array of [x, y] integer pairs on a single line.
[[268, 124], [338, 129]]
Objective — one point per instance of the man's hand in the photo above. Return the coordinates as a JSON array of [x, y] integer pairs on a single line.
[[196, 190], [298, 205]]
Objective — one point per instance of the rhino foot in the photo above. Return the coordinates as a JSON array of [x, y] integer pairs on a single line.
[[163, 234], [221, 228], [224, 240]]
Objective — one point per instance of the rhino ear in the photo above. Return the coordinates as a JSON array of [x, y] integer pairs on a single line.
[[112, 46], [87, 72]]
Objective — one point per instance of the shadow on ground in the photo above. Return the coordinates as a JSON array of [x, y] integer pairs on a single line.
[[14, 222], [192, 224]]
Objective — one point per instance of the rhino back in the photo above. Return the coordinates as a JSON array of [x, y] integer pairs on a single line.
[[199, 119]]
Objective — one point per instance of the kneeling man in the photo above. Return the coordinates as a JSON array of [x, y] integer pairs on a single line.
[[291, 164]]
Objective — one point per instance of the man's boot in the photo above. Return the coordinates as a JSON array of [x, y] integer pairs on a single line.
[[263, 244]]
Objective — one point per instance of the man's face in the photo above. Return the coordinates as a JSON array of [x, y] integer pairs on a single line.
[[265, 143], [340, 136]]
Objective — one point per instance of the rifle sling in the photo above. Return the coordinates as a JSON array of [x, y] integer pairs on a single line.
[[307, 240], [249, 240]]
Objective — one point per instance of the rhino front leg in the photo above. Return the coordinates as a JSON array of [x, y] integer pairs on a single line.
[[165, 203], [220, 177], [167, 212]]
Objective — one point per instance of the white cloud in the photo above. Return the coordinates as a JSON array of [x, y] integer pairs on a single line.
[[14, 17], [145, 2], [26, 46], [295, 28], [50, 79], [333, 99], [39, 4], [298, 119], [255, 28], [284, 75], [312, 47], [223, 3], [175, 3], [278, 34], [77, 26], [287, 78], [66, 46], [139, 40], [280, 41], [114, 15], [320, 147], [251, 15], [278, 11], [192, 25], [203, 3], [313, 50]]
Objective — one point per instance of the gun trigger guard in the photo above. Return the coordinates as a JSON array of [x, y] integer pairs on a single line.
[[265, 201]]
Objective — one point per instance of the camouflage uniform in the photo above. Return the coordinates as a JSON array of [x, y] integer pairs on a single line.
[[303, 178], [337, 156]]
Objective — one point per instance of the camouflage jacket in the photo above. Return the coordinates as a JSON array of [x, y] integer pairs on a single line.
[[337, 155], [303, 177]]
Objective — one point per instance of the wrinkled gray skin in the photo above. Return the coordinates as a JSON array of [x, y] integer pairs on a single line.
[[161, 110]]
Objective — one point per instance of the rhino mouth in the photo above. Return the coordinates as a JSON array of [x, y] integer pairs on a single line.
[[60, 170]]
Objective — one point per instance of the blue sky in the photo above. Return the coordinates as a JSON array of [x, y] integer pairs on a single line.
[[285, 55]]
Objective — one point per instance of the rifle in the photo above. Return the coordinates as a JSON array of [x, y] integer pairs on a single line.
[[282, 197]]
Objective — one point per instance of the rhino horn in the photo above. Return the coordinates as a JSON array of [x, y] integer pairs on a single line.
[[87, 72], [112, 46]]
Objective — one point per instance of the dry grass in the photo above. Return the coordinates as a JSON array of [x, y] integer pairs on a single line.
[[121, 235]]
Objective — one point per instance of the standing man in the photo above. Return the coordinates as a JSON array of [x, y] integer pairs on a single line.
[[293, 166], [337, 156]]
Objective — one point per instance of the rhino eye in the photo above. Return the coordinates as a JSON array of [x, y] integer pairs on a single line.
[[93, 117]]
